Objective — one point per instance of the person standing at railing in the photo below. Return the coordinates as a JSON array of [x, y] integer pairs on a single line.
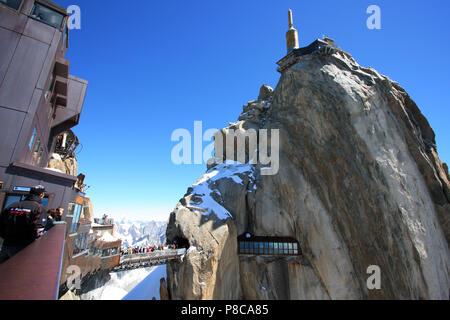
[[51, 215], [22, 222]]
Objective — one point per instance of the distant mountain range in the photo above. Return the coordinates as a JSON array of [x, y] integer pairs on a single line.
[[140, 233]]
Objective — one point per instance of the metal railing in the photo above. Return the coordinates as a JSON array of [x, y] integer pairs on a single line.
[[152, 255]]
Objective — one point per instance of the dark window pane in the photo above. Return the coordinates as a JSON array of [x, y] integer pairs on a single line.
[[47, 15], [11, 199], [15, 4], [241, 244]]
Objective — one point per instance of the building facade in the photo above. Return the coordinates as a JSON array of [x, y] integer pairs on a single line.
[[39, 101]]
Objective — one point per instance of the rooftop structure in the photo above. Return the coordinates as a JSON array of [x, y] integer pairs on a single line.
[[294, 52]]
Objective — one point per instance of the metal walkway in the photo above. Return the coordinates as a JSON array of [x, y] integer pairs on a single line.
[[145, 260]]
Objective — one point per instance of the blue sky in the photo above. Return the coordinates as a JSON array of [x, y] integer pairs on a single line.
[[156, 66]]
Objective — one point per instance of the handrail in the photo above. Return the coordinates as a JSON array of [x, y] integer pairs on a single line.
[[34, 272]]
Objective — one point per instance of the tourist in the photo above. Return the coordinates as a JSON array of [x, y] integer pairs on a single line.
[[59, 214], [22, 222], [51, 218]]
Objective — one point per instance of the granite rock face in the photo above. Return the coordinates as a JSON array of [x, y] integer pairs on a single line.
[[68, 166], [360, 183]]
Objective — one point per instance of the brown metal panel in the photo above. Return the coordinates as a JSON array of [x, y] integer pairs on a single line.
[[109, 245], [10, 124], [9, 40], [21, 78], [34, 273], [12, 20], [48, 64], [22, 152], [75, 100], [27, 6], [39, 31]]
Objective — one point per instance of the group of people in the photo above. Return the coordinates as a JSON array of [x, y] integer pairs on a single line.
[[24, 221], [147, 249]]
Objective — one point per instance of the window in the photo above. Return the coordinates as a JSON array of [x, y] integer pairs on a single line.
[[71, 209], [110, 252], [14, 4], [81, 243], [47, 15], [76, 210], [282, 246], [66, 36], [48, 93], [33, 137], [11, 198]]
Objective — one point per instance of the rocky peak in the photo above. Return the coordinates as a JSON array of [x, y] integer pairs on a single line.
[[360, 184]]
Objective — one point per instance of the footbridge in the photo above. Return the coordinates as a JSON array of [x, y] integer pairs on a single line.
[[148, 259]]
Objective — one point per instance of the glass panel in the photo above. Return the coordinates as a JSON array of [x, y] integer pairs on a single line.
[[241, 244], [295, 245], [66, 30], [275, 245], [47, 15], [295, 251], [290, 245], [71, 209], [76, 217], [49, 89], [15, 4], [33, 137], [11, 199]]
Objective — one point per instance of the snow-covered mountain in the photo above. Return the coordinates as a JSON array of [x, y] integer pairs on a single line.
[[140, 233]]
